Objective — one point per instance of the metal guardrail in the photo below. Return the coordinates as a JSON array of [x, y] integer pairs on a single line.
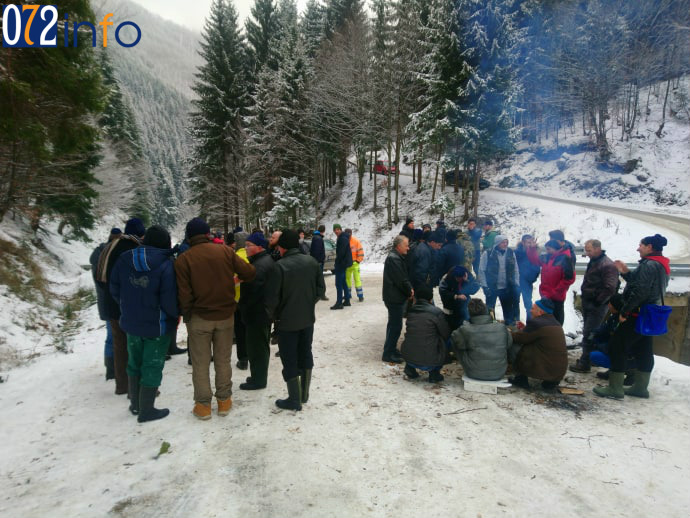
[[677, 270]]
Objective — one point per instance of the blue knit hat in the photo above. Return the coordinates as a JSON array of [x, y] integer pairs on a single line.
[[459, 271], [258, 239], [195, 227], [115, 231], [135, 227], [546, 305]]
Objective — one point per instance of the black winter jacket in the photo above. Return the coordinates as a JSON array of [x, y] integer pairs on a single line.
[[343, 253], [258, 297], [645, 284], [425, 336], [600, 281], [300, 286], [396, 284], [318, 250]]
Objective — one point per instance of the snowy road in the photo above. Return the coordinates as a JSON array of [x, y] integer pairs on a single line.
[[368, 443]]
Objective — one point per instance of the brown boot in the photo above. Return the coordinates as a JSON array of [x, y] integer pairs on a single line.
[[202, 411], [224, 406]]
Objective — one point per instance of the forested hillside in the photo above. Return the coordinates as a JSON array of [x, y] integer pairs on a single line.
[[442, 85]]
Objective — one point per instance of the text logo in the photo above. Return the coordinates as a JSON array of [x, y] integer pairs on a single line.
[[32, 26]]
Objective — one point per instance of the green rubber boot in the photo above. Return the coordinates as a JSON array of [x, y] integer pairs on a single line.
[[639, 388], [305, 377], [615, 388]]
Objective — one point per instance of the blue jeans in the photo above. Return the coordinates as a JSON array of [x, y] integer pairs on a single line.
[[394, 327], [108, 340], [526, 290], [340, 286], [490, 297], [510, 304]]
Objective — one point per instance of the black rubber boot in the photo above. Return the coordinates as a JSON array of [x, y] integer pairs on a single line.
[[173, 349], [411, 372], [294, 399], [305, 378], [147, 412], [133, 394]]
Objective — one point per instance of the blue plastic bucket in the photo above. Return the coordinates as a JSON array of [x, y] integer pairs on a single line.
[[652, 320]]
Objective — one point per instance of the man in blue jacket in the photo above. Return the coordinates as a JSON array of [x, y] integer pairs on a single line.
[[527, 257], [143, 284]]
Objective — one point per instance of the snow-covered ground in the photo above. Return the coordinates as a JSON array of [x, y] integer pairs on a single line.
[[368, 443]]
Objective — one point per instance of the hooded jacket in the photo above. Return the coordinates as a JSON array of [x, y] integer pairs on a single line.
[[143, 284], [646, 283], [425, 336]]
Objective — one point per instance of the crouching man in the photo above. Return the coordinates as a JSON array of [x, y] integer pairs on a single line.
[[143, 283], [483, 345], [300, 286], [542, 354], [424, 346]]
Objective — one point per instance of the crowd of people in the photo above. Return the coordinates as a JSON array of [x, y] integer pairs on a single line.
[[246, 288], [225, 289], [460, 262]]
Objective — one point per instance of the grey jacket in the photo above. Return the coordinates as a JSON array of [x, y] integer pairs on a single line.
[[483, 347], [425, 336]]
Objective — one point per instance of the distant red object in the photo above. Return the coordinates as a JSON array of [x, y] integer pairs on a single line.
[[381, 167]]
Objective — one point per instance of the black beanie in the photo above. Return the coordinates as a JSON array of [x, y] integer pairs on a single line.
[[157, 236], [197, 226], [288, 239], [657, 241]]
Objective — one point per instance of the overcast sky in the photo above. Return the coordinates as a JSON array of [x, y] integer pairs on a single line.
[[192, 14]]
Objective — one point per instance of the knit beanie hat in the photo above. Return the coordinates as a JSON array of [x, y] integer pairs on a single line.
[[408, 220], [197, 226], [459, 271], [489, 222], [546, 305], [436, 237], [657, 241], [115, 231], [553, 244], [289, 239], [499, 239], [451, 236], [557, 235], [418, 234], [258, 239], [337, 226], [157, 236], [135, 227]]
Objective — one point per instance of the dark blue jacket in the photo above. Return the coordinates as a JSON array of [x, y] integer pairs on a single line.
[[317, 250], [343, 253], [528, 270], [452, 254], [423, 266], [143, 283]]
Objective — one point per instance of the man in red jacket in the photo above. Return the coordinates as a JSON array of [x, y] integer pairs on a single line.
[[557, 274]]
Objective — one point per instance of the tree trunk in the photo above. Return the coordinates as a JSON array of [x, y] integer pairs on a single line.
[[475, 190]]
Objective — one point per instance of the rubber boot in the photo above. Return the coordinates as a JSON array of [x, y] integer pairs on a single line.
[[615, 388], [305, 378], [133, 394], [147, 412], [109, 368], [639, 388], [293, 401]]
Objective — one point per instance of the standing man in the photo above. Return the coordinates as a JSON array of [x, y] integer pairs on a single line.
[[598, 286], [408, 228], [397, 291], [134, 233], [206, 291], [560, 239], [273, 245], [557, 274], [352, 273], [424, 269], [318, 249], [489, 236], [527, 256], [256, 303], [101, 293], [475, 235], [645, 285], [299, 286], [343, 260], [143, 283], [499, 275], [451, 254]]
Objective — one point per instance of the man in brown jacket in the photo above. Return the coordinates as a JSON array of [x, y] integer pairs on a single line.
[[206, 292], [542, 354]]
